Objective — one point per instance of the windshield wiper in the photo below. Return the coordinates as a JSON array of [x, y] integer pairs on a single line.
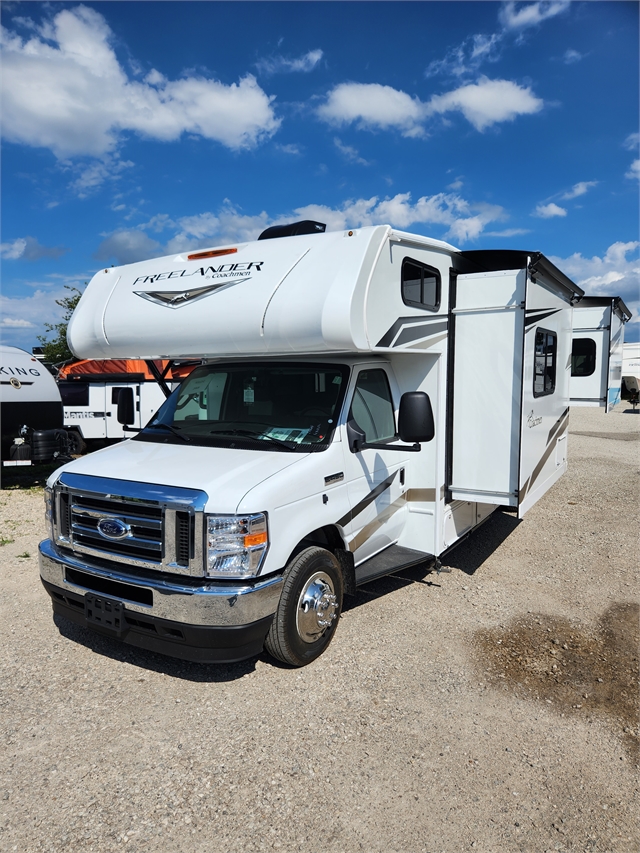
[[252, 434], [171, 428]]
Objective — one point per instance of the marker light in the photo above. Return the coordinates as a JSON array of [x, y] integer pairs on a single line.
[[212, 253]]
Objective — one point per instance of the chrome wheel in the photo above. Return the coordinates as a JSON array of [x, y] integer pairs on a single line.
[[309, 607], [317, 607]]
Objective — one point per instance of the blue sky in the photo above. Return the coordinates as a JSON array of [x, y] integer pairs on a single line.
[[135, 129]]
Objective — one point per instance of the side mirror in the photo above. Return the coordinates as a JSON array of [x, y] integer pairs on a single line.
[[415, 419], [126, 411]]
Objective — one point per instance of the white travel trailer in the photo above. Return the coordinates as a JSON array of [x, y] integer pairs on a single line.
[[90, 391], [596, 352], [631, 373], [370, 396], [30, 410]]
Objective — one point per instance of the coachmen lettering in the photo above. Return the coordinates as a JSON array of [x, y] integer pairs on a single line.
[[223, 271]]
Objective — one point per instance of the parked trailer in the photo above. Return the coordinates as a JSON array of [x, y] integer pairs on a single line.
[[30, 410], [630, 389], [596, 353], [370, 396], [90, 390]]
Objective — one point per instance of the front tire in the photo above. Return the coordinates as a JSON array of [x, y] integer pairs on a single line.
[[309, 608]]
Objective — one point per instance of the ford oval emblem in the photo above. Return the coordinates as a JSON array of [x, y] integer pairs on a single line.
[[113, 528]]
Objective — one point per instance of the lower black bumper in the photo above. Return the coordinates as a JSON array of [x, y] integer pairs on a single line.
[[199, 643]]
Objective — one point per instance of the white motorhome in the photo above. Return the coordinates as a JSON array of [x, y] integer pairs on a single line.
[[596, 352], [370, 396], [30, 410]]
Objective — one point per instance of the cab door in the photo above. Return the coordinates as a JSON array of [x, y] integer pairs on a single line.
[[375, 476]]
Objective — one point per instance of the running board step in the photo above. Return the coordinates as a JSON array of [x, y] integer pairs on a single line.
[[390, 560]]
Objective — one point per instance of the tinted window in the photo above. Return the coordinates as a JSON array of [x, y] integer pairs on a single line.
[[420, 285], [372, 406], [261, 405], [544, 371], [115, 393], [74, 393], [583, 357]]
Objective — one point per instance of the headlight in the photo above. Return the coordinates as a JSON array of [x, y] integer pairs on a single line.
[[48, 510], [236, 545]]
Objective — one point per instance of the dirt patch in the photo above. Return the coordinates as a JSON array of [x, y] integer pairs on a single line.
[[569, 667]]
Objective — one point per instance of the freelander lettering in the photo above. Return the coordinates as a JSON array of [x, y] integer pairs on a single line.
[[224, 271]]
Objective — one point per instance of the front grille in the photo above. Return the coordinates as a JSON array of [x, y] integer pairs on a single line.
[[163, 525], [144, 541]]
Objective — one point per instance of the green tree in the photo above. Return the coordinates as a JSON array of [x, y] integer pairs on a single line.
[[56, 350]]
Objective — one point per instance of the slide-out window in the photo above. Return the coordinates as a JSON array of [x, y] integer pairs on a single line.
[[420, 285], [544, 370], [583, 357]]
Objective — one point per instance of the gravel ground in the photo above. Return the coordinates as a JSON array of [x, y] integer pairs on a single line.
[[493, 708]]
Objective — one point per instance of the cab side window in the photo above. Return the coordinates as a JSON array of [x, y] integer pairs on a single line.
[[372, 406]]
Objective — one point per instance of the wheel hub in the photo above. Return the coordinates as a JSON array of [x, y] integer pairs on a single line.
[[317, 607]]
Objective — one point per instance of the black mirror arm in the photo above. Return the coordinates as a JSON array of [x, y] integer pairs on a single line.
[[365, 445]]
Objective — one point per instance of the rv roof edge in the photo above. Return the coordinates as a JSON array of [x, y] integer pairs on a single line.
[[491, 260]]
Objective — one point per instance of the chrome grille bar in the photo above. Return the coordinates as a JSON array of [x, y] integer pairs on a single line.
[[166, 527]]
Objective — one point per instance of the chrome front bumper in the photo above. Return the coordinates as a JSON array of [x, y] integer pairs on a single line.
[[206, 604]]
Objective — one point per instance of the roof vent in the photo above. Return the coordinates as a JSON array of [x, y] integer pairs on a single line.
[[307, 226]]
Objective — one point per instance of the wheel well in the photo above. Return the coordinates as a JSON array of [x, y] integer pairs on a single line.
[[329, 538], [324, 537]]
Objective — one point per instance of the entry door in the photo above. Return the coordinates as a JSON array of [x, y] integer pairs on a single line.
[[374, 476]]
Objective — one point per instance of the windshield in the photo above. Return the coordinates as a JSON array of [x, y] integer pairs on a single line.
[[270, 406]]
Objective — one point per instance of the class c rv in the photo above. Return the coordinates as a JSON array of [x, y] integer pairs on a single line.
[[367, 398], [596, 352]]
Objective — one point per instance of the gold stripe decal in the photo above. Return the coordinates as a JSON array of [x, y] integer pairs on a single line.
[[410, 496], [562, 428]]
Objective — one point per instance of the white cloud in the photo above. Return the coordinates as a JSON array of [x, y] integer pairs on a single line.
[[571, 57], [16, 323], [127, 247], [349, 153], [547, 211], [579, 189], [631, 142], [290, 148], [462, 221], [29, 249], [23, 318], [65, 90], [634, 171], [467, 57], [281, 64], [613, 274], [487, 102], [521, 16], [508, 232], [373, 106], [96, 173]]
